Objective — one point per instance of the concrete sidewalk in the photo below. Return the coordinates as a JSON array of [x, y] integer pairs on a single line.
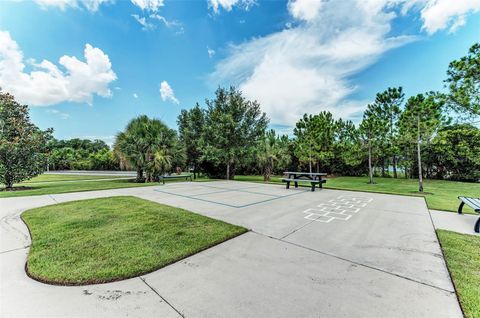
[[461, 223], [328, 253]]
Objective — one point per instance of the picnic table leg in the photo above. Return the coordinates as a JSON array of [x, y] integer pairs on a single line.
[[460, 208], [313, 186], [288, 185], [296, 184], [320, 183], [477, 226]]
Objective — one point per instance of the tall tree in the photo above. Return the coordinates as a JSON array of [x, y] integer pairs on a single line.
[[191, 124], [23, 146], [141, 141], [389, 103], [347, 148], [315, 136], [272, 150], [463, 82], [421, 118], [233, 126], [456, 150], [371, 128]]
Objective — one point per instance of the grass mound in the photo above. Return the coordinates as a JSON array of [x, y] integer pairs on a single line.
[[108, 239]]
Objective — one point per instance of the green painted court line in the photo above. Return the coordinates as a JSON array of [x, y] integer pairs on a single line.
[[243, 190], [194, 198], [272, 199], [230, 205]]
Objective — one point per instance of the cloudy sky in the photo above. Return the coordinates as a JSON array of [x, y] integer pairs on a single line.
[[86, 67]]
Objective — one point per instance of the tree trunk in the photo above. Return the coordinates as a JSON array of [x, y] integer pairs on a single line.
[[394, 161], [8, 184], [139, 175], [370, 171], [228, 170], [419, 158], [318, 166], [383, 167]]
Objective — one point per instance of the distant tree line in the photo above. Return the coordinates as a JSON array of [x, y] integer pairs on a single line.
[[80, 154], [430, 135]]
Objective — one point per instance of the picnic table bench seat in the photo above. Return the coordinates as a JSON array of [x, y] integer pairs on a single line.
[[176, 176], [313, 182], [474, 203]]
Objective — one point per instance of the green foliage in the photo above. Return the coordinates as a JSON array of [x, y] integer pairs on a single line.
[[80, 154], [233, 125], [191, 124], [23, 146], [315, 135], [464, 82], [456, 151], [144, 139], [419, 121], [272, 152]]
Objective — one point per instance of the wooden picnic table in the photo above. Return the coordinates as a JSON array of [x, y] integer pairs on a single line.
[[313, 178]]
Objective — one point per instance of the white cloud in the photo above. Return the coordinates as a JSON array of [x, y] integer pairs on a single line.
[[146, 26], [90, 5], [441, 14], [228, 5], [306, 69], [47, 84], [135, 95], [166, 92], [149, 5], [306, 10], [211, 52], [169, 23], [58, 113]]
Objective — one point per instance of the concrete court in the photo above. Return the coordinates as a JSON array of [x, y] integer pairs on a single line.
[[323, 254]]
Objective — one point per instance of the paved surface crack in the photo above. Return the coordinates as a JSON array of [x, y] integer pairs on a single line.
[[51, 197], [357, 263], [15, 249], [158, 294], [299, 228]]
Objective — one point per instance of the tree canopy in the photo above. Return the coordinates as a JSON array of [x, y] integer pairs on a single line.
[[23, 146]]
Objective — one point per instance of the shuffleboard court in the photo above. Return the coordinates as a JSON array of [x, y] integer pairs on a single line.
[[326, 253]]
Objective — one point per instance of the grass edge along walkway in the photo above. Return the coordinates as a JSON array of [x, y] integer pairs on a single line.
[[462, 255], [59, 187], [109, 239]]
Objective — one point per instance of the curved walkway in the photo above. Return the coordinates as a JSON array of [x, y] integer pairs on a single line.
[[327, 253]]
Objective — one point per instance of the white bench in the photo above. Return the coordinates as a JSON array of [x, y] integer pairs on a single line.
[[474, 203]]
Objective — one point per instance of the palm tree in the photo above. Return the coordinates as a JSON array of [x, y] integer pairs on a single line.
[[159, 165], [272, 150], [142, 139]]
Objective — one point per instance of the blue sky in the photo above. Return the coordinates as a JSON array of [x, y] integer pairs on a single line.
[[105, 61]]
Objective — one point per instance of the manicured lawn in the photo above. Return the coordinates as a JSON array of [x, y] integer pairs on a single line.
[[68, 177], [442, 195], [78, 186], [462, 253], [107, 239]]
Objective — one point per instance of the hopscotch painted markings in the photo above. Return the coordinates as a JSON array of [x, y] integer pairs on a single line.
[[341, 208]]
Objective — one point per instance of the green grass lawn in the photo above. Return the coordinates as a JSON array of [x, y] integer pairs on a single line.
[[462, 253], [78, 186], [107, 239], [68, 177], [66, 186], [442, 195]]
